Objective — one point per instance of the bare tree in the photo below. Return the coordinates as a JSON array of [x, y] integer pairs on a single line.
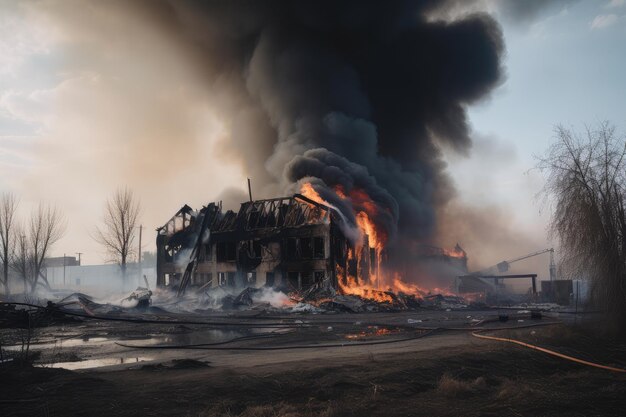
[[46, 227], [8, 207], [120, 227], [587, 184], [22, 259]]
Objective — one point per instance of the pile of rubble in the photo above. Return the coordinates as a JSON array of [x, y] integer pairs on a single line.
[[322, 298], [327, 299], [444, 301], [25, 317], [318, 299]]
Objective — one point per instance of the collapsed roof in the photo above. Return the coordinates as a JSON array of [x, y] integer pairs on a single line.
[[283, 212]]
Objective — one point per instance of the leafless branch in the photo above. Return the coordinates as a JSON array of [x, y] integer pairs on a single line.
[[8, 208], [22, 261], [46, 227], [586, 180], [118, 233]]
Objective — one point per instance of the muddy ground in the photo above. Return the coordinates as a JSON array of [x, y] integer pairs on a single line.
[[314, 365]]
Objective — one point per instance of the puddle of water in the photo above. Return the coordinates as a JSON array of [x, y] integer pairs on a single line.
[[197, 337], [95, 363], [201, 336], [190, 338], [61, 343]]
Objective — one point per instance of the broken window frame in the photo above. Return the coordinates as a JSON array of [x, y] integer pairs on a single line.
[[306, 247], [257, 249], [231, 279], [294, 280], [319, 248], [226, 251]]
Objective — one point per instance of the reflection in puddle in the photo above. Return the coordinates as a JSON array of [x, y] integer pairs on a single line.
[[61, 343], [201, 336], [84, 345], [95, 363]]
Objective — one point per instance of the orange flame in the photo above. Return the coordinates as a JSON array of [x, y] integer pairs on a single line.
[[377, 239], [364, 218], [353, 287], [407, 288], [308, 191]]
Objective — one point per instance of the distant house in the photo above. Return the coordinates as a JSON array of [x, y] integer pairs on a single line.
[[60, 261], [98, 279]]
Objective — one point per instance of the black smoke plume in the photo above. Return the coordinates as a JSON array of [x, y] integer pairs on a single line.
[[358, 93]]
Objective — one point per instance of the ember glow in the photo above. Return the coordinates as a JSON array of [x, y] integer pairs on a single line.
[[372, 331], [457, 252]]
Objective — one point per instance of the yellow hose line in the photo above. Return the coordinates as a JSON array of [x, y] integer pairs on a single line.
[[549, 352]]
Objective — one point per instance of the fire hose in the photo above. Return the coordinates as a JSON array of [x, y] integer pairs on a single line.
[[425, 331], [549, 352], [214, 346]]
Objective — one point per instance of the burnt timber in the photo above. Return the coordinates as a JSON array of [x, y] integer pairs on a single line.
[[290, 243]]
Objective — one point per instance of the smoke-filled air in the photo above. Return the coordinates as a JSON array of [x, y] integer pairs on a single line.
[[320, 208], [324, 102]]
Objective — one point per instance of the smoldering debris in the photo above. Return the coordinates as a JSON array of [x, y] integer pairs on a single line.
[[444, 301], [138, 301], [164, 304], [142, 296], [22, 317], [316, 300]]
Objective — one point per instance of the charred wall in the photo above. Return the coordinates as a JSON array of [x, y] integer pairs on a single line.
[[289, 243]]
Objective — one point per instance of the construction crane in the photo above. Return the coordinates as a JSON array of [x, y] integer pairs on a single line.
[[504, 265]]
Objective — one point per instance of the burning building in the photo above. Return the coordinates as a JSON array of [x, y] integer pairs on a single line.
[[290, 243]]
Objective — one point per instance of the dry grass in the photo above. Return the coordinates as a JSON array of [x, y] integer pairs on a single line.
[[280, 409], [513, 390], [450, 386]]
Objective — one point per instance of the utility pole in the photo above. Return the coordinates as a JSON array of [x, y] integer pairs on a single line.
[[79, 253], [63, 270], [249, 189]]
